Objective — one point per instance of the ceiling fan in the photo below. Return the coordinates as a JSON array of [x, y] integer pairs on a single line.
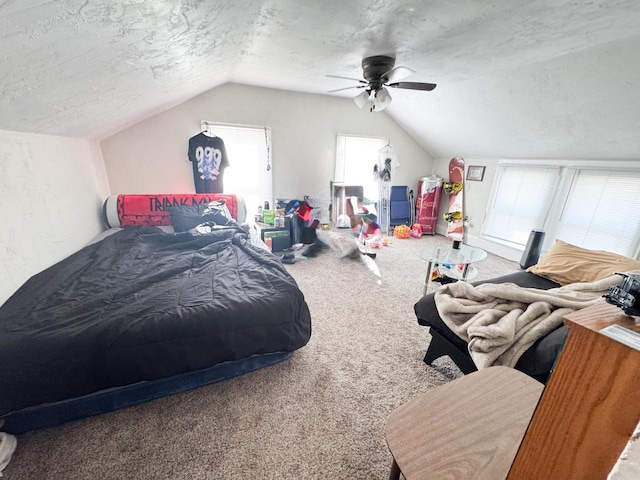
[[379, 73]]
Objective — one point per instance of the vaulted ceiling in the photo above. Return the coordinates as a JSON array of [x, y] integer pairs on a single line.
[[516, 79]]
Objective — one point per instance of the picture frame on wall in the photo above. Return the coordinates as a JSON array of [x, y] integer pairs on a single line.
[[475, 173]]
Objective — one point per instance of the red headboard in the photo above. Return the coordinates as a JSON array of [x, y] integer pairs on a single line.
[[139, 210]]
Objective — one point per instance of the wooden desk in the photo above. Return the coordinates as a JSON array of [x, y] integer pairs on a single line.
[[590, 407], [468, 428]]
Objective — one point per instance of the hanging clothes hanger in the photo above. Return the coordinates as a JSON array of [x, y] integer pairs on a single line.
[[387, 147], [207, 129]]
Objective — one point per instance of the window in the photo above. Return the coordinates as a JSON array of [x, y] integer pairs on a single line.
[[356, 158], [602, 211], [520, 202], [249, 171], [593, 208]]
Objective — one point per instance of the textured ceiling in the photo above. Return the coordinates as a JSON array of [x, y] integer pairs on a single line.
[[536, 79]]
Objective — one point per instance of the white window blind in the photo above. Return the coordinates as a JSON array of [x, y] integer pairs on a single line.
[[249, 171], [520, 202], [602, 211], [355, 160]]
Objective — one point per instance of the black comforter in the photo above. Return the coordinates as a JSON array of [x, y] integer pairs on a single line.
[[143, 305]]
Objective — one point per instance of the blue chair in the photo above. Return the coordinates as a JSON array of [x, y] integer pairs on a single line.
[[400, 206]]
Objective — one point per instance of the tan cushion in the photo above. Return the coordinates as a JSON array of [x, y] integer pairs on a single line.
[[566, 263]]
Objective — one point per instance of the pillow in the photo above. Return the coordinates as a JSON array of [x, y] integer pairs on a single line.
[[565, 263], [186, 217], [216, 212]]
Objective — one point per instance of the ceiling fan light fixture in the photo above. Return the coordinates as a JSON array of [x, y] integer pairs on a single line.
[[381, 99], [362, 99], [380, 72]]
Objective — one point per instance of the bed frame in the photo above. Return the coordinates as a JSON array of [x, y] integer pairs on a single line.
[[52, 414], [136, 210]]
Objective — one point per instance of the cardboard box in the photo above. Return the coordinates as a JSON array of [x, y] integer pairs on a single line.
[[279, 239], [269, 217]]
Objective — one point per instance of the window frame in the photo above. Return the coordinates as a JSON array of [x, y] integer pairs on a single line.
[[554, 221], [567, 172], [340, 171], [537, 223]]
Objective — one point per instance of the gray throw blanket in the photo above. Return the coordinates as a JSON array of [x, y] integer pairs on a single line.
[[501, 321]]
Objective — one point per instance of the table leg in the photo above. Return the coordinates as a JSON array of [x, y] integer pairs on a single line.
[[465, 271], [394, 474], [427, 279]]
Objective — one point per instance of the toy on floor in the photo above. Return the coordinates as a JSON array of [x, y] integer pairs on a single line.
[[401, 232]]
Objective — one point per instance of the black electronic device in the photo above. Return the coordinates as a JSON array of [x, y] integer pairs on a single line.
[[532, 251], [626, 295]]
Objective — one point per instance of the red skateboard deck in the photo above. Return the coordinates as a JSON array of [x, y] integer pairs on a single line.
[[455, 189]]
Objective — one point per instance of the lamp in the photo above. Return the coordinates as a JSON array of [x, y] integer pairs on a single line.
[[381, 99], [376, 100], [362, 99]]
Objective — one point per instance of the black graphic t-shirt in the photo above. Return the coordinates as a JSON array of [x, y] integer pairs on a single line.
[[209, 159]]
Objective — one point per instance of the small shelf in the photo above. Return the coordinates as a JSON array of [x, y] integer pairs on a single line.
[[455, 271]]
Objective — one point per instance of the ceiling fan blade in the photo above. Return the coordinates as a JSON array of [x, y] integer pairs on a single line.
[[396, 74], [347, 88], [413, 85], [347, 78]]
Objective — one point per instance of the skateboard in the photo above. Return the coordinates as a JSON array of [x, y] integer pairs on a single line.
[[454, 188]]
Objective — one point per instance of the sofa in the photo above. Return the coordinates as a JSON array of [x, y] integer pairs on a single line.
[[564, 266]]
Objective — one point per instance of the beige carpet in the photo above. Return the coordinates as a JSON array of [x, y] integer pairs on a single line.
[[318, 415]]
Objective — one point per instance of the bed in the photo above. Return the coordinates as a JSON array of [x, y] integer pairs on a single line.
[[145, 312]]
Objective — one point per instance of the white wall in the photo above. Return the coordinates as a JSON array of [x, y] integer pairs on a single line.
[[150, 157], [51, 193]]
